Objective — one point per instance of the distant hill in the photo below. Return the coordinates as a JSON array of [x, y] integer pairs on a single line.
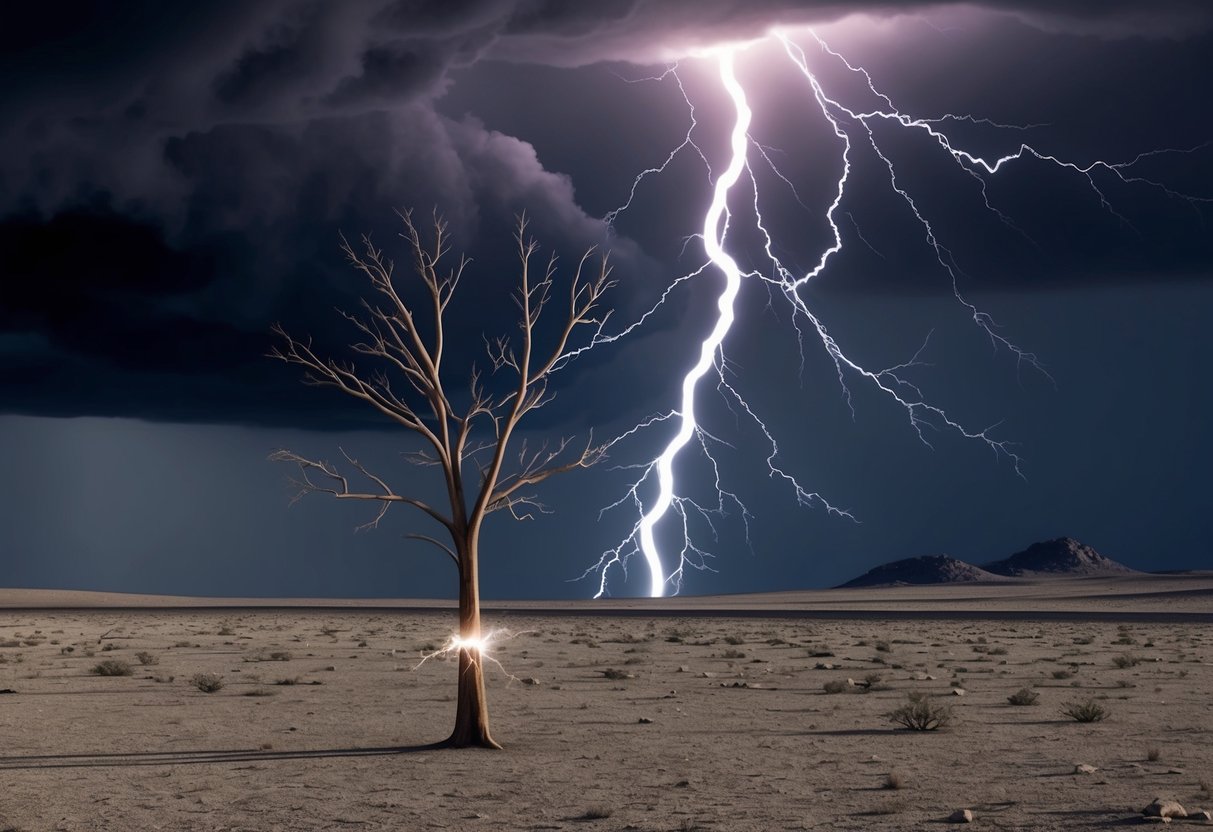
[[930, 569], [1063, 556]]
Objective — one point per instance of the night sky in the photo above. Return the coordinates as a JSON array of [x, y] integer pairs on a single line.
[[174, 179]]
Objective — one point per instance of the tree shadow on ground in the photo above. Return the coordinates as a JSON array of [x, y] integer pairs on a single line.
[[177, 758]]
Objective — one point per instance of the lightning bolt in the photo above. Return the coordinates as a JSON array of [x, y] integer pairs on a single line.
[[852, 126]]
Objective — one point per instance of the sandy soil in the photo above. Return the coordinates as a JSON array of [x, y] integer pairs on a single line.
[[641, 722]]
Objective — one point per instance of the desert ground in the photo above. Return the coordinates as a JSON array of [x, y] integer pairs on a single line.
[[735, 713]]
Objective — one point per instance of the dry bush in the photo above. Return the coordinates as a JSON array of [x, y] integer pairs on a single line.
[[112, 667], [146, 658], [835, 686], [207, 682], [1126, 660], [595, 813], [919, 713], [1089, 711], [893, 780], [1023, 696]]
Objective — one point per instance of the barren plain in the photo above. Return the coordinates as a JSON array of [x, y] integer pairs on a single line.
[[692, 713]]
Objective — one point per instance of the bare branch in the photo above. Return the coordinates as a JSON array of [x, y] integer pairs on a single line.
[[341, 486], [438, 543]]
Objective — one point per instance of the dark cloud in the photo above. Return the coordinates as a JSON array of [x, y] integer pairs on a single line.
[[173, 177]]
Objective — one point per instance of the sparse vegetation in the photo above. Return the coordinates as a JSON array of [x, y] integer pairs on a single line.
[[835, 686], [1153, 754], [595, 813], [920, 713], [1023, 696], [207, 682], [1088, 711], [893, 780], [146, 658], [1062, 674], [1126, 660], [112, 667]]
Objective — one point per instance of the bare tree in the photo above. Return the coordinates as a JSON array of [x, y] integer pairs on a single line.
[[468, 445]]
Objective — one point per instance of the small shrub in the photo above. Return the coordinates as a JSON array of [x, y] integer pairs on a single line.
[[893, 781], [1062, 674], [919, 713], [733, 654], [1023, 696], [207, 682], [882, 647], [1089, 711], [734, 640], [1153, 754], [112, 667], [289, 680], [596, 813], [614, 673], [1126, 660], [146, 658], [835, 686], [109, 645]]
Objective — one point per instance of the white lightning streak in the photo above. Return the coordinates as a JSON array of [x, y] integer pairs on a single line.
[[713, 241], [892, 384]]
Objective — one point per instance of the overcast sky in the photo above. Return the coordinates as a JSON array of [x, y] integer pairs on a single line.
[[174, 179]]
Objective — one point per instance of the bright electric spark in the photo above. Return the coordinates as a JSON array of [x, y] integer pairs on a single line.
[[477, 649], [851, 125]]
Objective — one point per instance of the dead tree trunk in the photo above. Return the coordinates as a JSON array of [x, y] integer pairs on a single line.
[[471, 709], [468, 443]]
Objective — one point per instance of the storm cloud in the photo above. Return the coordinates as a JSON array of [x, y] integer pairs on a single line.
[[173, 178]]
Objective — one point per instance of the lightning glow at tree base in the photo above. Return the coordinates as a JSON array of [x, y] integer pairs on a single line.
[[713, 239]]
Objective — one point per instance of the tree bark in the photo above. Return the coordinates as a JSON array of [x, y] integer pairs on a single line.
[[471, 711]]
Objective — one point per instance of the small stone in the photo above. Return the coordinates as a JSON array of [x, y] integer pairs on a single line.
[[958, 691], [684, 669], [961, 816], [644, 720], [530, 680], [823, 666], [1084, 768], [1175, 771], [1162, 808]]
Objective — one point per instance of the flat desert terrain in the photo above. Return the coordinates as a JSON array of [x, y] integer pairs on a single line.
[[735, 713]]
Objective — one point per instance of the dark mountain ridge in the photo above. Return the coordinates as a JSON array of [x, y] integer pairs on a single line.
[[1061, 557]]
